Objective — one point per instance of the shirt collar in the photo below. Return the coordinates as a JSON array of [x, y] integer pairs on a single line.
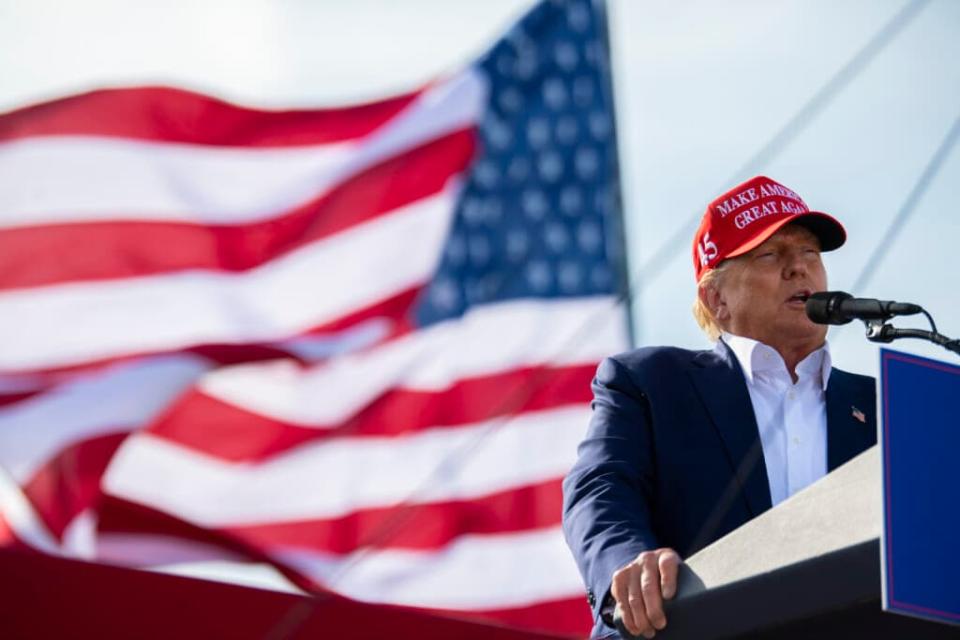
[[755, 356]]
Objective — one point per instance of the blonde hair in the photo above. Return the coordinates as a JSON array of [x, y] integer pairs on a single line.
[[701, 312]]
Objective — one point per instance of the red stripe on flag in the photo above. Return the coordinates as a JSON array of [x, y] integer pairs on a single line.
[[117, 516], [417, 526], [14, 397], [69, 482], [165, 114], [232, 433], [107, 250]]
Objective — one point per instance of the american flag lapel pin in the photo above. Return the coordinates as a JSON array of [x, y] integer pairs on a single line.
[[859, 415]]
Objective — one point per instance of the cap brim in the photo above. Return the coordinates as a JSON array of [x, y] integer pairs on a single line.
[[828, 230]]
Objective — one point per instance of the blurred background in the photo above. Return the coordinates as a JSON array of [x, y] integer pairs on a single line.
[[846, 102], [399, 456]]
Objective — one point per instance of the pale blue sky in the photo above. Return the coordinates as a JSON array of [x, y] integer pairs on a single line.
[[701, 87]]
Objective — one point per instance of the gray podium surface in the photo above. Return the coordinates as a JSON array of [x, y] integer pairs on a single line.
[[841, 510], [809, 568]]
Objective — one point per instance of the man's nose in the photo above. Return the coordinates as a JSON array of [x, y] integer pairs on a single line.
[[795, 265]]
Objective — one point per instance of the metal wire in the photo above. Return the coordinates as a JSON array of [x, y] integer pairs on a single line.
[[909, 205], [650, 270], [656, 265]]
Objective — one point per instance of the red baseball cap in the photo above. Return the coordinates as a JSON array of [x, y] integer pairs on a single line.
[[748, 214]]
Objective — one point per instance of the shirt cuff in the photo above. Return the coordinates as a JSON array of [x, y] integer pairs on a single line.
[[607, 608]]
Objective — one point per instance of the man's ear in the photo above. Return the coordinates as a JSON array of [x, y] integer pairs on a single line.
[[712, 300]]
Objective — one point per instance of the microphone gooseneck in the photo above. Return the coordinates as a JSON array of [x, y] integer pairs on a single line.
[[839, 307]]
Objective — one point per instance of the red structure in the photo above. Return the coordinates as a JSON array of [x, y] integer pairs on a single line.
[[47, 597]]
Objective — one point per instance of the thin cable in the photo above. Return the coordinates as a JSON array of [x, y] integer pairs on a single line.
[[451, 463], [933, 325], [652, 268], [909, 206], [406, 508]]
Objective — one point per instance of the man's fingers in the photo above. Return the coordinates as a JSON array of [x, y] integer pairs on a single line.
[[650, 586], [669, 564], [620, 592], [640, 588], [638, 608]]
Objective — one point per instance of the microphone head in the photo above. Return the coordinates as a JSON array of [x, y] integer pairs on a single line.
[[823, 307]]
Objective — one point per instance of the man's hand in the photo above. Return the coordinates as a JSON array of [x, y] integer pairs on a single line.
[[641, 587]]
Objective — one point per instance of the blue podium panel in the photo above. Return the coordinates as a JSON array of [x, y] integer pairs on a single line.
[[920, 440]]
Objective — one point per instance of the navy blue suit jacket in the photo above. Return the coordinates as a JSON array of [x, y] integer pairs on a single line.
[[672, 457]]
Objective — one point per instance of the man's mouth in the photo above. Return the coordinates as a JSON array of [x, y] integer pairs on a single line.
[[800, 296]]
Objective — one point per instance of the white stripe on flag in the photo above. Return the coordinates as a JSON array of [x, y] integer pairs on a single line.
[[248, 574], [343, 475], [121, 398], [489, 339], [84, 179], [16, 511], [474, 573], [181, 557], [313, 285], [145, 550]]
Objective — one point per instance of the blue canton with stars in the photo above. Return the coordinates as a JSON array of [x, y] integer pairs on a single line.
[[539, 213]]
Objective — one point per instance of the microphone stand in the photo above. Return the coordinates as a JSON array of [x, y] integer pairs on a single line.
[[880, 331]]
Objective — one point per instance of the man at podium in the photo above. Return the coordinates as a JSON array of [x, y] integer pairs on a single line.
[[686, 446]]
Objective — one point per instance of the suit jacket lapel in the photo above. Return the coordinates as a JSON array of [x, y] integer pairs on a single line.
[[723, 390], [851, 424]]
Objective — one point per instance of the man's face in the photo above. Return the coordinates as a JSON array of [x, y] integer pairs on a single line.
[[761, 294]]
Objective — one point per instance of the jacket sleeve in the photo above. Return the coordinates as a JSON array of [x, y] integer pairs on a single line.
[[608, 493]]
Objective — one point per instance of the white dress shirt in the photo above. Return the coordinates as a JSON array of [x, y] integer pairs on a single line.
[[792, 417]]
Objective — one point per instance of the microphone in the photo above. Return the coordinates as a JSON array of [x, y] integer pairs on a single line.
[[837, 307]]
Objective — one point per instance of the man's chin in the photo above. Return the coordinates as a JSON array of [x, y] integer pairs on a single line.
[[808, 332]]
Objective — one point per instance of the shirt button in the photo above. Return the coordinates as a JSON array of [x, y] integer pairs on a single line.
[[796, 441], [791, 395]]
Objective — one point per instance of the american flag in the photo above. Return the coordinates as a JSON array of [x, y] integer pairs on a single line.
[[352, 345]]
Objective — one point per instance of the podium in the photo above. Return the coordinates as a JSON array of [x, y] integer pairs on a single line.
[[809, 568]]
